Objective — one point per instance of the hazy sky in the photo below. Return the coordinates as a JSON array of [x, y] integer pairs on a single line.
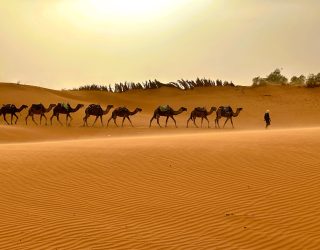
[[66, 43]]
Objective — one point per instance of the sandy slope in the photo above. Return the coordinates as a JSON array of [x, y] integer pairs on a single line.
[[233, 190], [290, 106], [141, 188]]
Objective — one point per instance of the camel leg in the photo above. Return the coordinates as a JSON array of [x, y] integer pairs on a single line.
[[217, 122], [59, 120], [85, 120], [193, 119], [43, 115], [194, 122], [11, 118], [130, 121], [70, 120], [34, 120], [167, 121], [151, 121], [207, 121], [95, 120], [115, 121], [231, 122], [57, 116], [101, 120], [109, 121], [175, 123], [51, 119], [27, 119], [201, 121], [225, 121], [87, 117], [5, 119], [190, 118], [158, 121], [123, 121], [67, 120], [16, 119]]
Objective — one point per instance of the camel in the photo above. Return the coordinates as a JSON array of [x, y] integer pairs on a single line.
[[39, 109], [226, 112], [168, 112], [11, 109], [66, 109], [123, 112], [97, 111], [202, 113]]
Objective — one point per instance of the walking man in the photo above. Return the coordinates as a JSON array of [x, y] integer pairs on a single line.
[[267, 118]]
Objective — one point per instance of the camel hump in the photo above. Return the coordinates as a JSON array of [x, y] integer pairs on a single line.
[[66, 106], [200, 109], [164, 108], [225, 108], [94, 106], [122, 109], [37, 106]]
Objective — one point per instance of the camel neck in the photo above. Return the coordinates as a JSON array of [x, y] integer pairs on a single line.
[[49, 108], [133, 112], [177, 112], [236, 113]]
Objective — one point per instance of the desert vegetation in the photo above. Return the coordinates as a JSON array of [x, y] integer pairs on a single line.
[[275, 77], [156, 84]]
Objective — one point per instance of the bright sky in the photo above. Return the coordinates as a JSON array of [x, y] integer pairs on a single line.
[[67, 43]]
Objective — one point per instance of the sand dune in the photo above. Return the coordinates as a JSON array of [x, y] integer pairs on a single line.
[[290, 106], [141, 188], [232, 190]]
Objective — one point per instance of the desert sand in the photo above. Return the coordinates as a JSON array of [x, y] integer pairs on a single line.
[[141, 188]]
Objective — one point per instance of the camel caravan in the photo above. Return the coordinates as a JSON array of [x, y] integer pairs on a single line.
[[97, 111]]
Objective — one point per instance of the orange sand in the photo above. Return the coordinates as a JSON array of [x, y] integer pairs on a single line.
[[140, 188]]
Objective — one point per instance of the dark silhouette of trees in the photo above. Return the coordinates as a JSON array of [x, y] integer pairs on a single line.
[[219, 83], [274, 77], [313, 81], [155, 84], [298, 80], [277, 78]]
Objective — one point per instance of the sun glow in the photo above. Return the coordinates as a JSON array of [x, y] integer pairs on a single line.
[[126, 8], [111, 11]]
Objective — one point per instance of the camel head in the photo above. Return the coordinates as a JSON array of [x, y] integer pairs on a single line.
[[24, 107], [52, 105], [213, 109], [237, 112], [79, 106], [110, 106], [183, 109], [138, 109]]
